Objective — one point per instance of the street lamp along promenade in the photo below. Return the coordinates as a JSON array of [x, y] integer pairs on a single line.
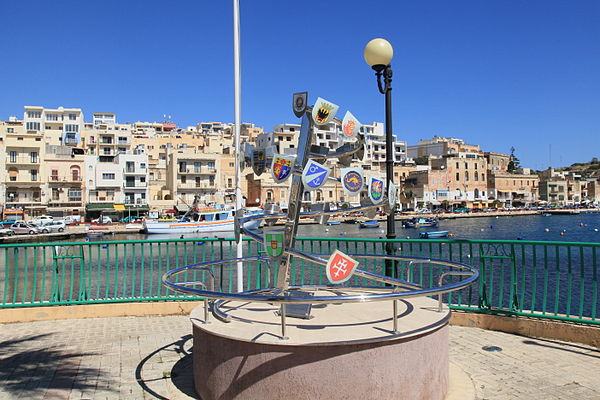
[[378, 54]]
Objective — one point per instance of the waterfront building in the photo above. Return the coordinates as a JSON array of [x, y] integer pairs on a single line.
[[497, 162], [441, 146], [191, 173], [104, 118], [63, 168], [58, 126], [512, 189], [24, 151]]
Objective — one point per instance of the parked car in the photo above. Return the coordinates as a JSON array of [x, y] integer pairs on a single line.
[[41, 220], [53, 226], [72, 219], [6, 232], [24, 228], [102, 220]]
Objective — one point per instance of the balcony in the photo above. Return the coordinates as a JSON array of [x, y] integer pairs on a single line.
[[64, 179], [23, 160], [195, 185], [134, 171], [71, 140], [135, 185], [198, 171]]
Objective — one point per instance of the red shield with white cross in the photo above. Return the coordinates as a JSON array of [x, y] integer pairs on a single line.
[[340, 267]]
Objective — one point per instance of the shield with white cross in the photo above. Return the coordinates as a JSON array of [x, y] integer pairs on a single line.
[[340, 267]]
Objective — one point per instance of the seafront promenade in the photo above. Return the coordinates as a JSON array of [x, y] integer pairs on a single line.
[[150, 357]]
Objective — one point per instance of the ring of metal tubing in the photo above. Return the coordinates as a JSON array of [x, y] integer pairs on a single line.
[[277, 296]]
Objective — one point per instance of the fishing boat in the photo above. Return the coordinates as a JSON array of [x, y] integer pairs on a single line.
[[433, 235], [420, 222], [333, 222], [369, 224], [201, 220]]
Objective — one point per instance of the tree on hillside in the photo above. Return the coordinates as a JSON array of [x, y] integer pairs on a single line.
[[514, 162]]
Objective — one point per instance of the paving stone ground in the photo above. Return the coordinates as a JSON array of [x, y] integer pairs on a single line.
[[150, 357]]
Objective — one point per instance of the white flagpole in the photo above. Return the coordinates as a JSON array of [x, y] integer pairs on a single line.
[[237, 89]]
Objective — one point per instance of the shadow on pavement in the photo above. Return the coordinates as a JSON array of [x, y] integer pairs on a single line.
[[180, 374], [27, 365], [564, 346]]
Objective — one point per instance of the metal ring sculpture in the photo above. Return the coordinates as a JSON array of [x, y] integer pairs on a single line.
[[283, 293]]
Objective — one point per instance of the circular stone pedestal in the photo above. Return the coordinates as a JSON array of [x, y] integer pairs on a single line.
[[345, 351]]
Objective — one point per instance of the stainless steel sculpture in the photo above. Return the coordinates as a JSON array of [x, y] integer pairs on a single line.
[[282, 292]]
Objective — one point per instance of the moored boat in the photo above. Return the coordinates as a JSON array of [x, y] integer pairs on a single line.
[[201, 220], [420, 222], [369, 224], [433, 235]]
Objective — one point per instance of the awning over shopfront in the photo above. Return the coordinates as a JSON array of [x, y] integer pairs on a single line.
[[119, 207]]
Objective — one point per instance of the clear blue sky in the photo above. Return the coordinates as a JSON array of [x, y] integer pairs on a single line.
[[498, 73]]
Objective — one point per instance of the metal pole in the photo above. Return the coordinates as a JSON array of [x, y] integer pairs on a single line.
[[237, 88], [389, 165]]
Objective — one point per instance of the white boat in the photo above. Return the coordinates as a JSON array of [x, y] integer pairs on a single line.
[[201, 220]]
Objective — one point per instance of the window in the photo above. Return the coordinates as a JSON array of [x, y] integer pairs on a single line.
[[129, 166], [55, 194], [71, 128], [183, 179], [476, 175], [182, 166], [458, 176], [34, 114], [51, 117], [197, 166], [210, 165], [457, 166], [10, 130], [72, 117], [109, 176], [13, 156], [142, 179], [34, 174], [231, 165], [142, 165], [33, 126], [466, 165], [54, 175], [74, 194], [34, 157]]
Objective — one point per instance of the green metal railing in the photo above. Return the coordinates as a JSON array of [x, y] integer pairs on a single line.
[[553, 280]]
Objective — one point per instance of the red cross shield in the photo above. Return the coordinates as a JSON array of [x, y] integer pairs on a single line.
[[340, 267]]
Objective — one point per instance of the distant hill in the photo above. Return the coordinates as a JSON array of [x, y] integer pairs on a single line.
[[587, 170]]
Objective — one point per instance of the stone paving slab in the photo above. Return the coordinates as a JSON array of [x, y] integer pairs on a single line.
[[149, 357]]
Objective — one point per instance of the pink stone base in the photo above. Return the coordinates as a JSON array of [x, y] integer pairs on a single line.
[[406, 368]]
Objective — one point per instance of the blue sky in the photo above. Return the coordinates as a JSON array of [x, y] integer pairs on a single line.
[[498, 73]]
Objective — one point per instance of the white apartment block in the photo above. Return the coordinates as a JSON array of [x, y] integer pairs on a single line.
[[104, 118], [60, 126]]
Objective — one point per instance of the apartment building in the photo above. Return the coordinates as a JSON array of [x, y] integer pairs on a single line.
[[107, 140], [191, 173], [64, 180], [59, 126], [22, 173], [441, 146], [513, 189], [104, 118], [497, 162]]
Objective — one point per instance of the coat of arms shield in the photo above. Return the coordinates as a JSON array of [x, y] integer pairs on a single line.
[[259, 161], [352, 180], [281, 167], [324, 111], [350, 126], [314, 175], [273, 242], [376, 187], [392, 195], [340, 267]]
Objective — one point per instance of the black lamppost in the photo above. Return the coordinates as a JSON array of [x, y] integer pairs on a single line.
[[378, 54]]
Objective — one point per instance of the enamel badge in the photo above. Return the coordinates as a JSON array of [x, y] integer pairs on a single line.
[[323, 111], [299, 102], [392, 195], [273, 242], [314, 175], [281, 167], [376, 187], [340, 267], [352, 180], [350, 126], [259, 161]]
